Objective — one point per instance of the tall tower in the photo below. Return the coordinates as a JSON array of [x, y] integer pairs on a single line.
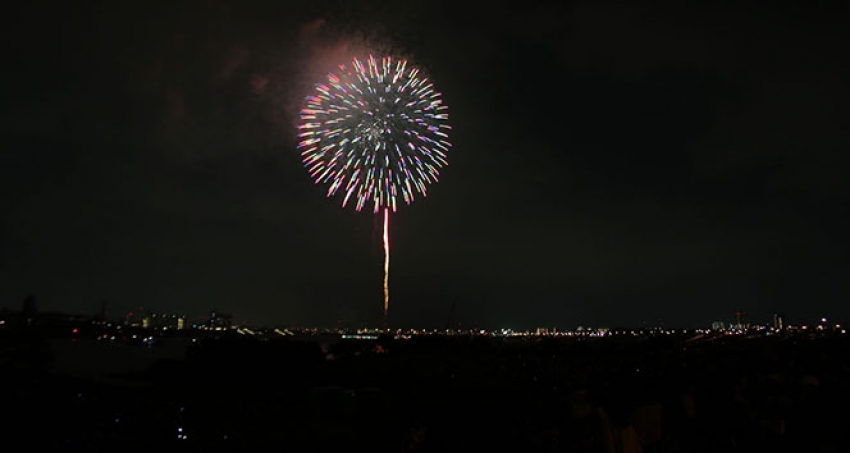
[[778, 321], [739, 319]]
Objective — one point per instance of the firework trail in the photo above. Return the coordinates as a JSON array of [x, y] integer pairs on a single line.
[[386, 261], [376, 133]]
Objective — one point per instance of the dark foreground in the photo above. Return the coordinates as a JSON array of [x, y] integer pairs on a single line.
[[432, 394]]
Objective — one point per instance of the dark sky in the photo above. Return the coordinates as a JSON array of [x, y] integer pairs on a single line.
[[612, 165]]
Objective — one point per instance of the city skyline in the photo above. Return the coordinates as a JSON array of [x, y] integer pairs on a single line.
[[151, 317]]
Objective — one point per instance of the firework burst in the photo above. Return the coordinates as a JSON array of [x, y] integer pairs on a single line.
[[375, 132]]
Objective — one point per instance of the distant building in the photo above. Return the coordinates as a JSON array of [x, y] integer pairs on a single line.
[[739, 320], [135, 318], [162, 321], [220, 321], [779, 321]]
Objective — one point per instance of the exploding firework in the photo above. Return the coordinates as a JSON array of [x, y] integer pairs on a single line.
[[376, 132]]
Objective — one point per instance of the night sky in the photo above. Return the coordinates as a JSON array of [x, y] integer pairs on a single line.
[[612, 165]]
